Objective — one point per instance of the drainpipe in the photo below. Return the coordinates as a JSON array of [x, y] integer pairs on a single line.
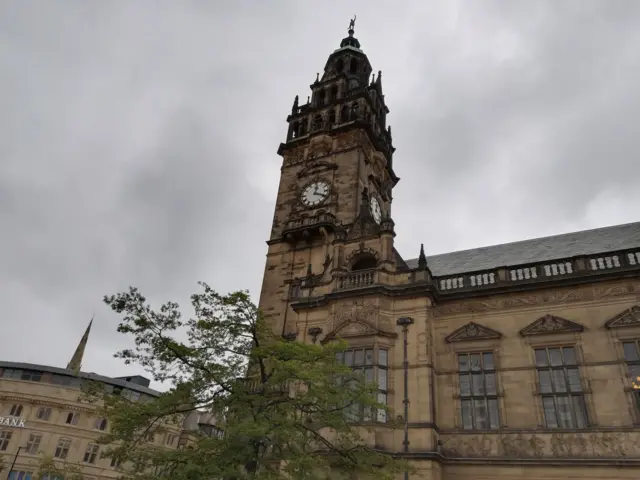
[[404, 322]]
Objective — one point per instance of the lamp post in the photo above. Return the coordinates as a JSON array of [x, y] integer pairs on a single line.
[[15, 457]]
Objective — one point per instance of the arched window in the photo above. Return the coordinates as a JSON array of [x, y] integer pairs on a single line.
[[344, 114], [332, 117], [295, 131], [317, 122], [320, 97], [303, 126], [353, 66], [333, 93], [364, 262], [339, 66], [354, 111]]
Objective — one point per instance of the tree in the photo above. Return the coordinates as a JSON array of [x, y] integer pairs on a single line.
[[284, 406]]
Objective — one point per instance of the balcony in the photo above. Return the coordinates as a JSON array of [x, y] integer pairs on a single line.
[[306, 227], [358, 279]]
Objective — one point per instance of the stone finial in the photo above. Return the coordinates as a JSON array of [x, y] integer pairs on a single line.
[[422, 258]]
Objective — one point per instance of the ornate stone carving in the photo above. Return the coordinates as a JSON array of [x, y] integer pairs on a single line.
[[550, 324], [543, 445], [472, 331], [360, 317], [600, 292], [628, 318], [509, 302]]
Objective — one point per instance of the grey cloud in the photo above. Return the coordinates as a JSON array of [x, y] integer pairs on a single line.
[[138, 139]]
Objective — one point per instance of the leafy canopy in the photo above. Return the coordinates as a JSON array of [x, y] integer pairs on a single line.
[[283, 405]]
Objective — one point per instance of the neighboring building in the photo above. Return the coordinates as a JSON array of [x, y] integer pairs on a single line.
[[42, 414], [519, 356]]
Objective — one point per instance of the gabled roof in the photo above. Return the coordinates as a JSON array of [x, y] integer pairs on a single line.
[[557, 247]]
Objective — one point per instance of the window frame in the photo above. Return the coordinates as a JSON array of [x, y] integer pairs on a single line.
[[5, 439], [45, 415], [72, 418], [634, 391], [489, 397], [571, 394], [63, 446], [35, 439], [91, 453], [376, 366], [16, 410]]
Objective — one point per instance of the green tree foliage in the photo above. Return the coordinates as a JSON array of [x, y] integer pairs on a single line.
[[283, 405]]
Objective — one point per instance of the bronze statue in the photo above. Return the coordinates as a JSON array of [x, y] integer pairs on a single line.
[[352, 23]]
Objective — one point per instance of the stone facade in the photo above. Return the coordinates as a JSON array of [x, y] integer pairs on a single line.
[[43, 413], [514, 368]]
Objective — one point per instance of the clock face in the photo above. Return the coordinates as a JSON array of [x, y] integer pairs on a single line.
[[315, 194], [376, 211]]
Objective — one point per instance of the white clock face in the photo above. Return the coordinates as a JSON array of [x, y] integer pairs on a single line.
[[315, 194], [376, 211]]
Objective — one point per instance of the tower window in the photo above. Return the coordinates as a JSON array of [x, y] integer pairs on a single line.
[[317, 122], [333, 93], [295, 131], [332, 117], [353, 66], [320, 95], [344, 114], [365, 262], [339, 66], [354, 111]]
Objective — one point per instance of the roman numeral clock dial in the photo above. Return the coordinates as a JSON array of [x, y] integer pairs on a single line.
[[315, 194]]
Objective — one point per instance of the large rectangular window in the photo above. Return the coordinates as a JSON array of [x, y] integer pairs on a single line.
[[5, 438], [373, 363], [478, 391], [33, 444], [561, 389], [632, 357], [62, 449]]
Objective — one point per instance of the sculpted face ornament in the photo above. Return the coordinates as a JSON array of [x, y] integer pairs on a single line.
[[315, 194]]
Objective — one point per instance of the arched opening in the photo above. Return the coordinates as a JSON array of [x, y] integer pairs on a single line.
[[317, 122], [365, 262], [333, 93], [332, 117], [339, 66], [295, 130], [354, 111], [353, 66], [344, 114]]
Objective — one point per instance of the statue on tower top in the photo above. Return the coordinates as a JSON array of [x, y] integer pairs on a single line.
[[352, 24]]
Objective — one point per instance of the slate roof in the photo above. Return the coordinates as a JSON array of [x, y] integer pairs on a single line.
[[586, 242]]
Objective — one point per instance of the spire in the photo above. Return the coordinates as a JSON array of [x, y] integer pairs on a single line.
[[76, 361], [422, 259]]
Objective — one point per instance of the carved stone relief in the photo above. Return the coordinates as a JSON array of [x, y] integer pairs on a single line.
[[359, 313], [601, 292], [550, 324], [628, 318], [553, 445], [472, 331]]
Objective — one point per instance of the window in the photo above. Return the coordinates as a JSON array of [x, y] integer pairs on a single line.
[[62, 449], [33, 444], [353, 66], [115, 462], [14, 475], [170, 439], [44, 413], [560, 387], [31, 375], [373, 363], [632, 357], [16, 411], [65, 380], [72, 418], [91, 453], [100, 424], [5, 438], [12, 373], [478, 391]]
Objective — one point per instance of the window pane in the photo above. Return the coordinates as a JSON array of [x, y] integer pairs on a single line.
[[574, 379], [490, 383], [541, 357], [348, 357], [368, 357], [467, 419], [359, 357], [559, 382], [340, 357], [565, 417], [480, 413], [487, 361], [630, 351], [569, 354], [368, 374], [477, 384], [382, 379], [494, 415], [474, 361], [463, 362], [382, 414], [580, 410], [634, 373], [549, 412], [465, 385], [555, 356], [382, 357], [545, 381]]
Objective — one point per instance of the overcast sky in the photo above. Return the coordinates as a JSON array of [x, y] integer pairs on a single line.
[[138, 139]]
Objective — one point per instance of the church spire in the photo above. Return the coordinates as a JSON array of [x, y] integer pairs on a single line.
[[76, 361]]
